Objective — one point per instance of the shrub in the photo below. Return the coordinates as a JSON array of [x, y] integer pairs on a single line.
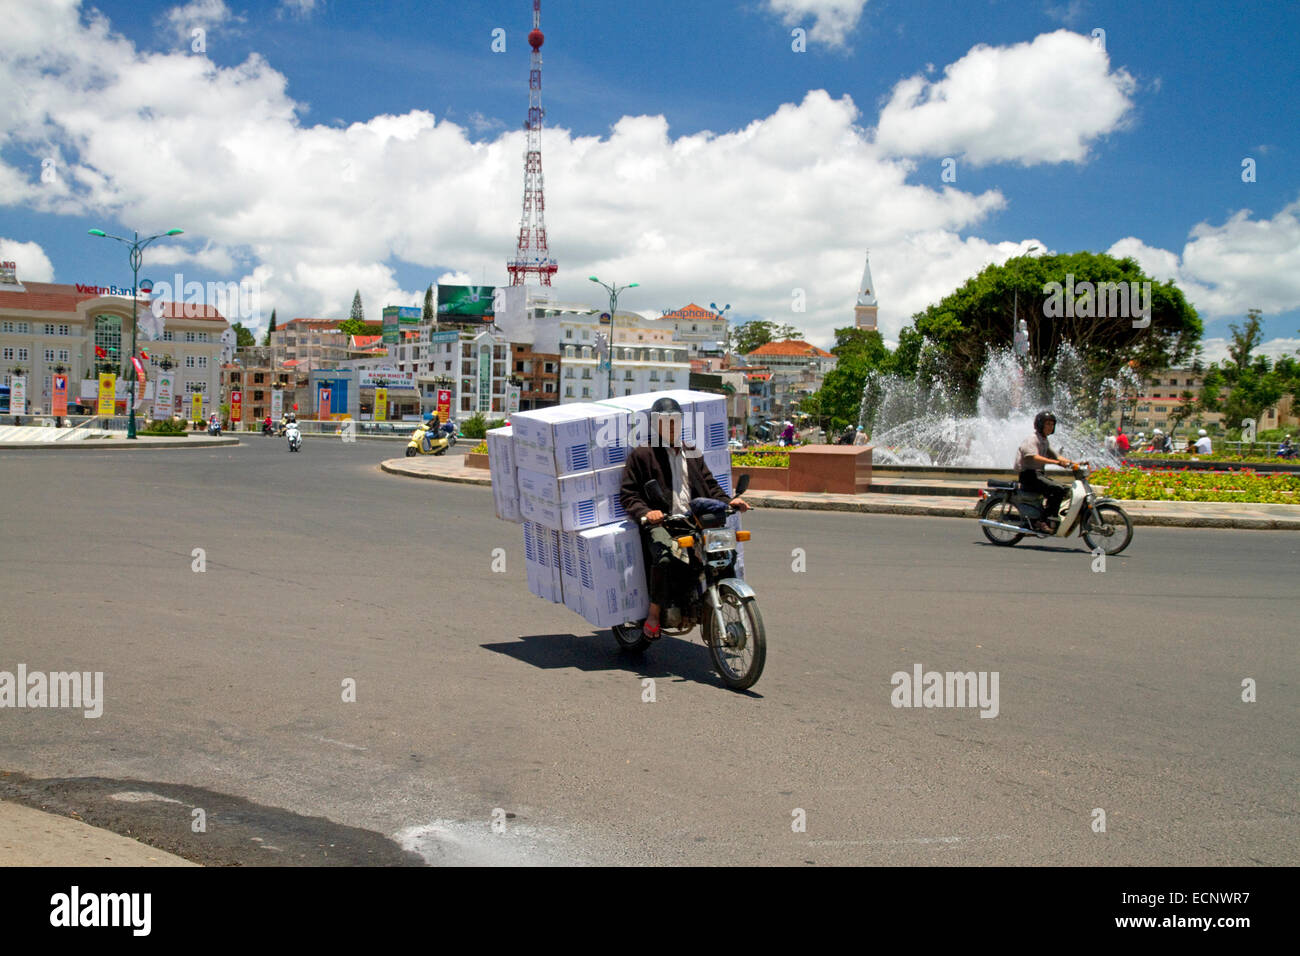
[[475, 426], [744, 459], [164, 426], [479, 449], [496, 423], [1185, 485]]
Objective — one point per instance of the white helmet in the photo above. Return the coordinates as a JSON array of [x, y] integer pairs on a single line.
[[1202, 432], [1159, 432]]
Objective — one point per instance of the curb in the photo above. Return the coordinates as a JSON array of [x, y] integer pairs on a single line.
[[99, 444], [397, 469], [1137, 515]]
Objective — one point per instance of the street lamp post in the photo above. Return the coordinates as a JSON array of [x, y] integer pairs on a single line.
[[136, 246], [613, 309], [726, 332]]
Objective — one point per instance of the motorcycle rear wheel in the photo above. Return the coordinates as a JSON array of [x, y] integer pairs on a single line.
[[1112, 529], [1004, 512], [630, 638], [741, 650]]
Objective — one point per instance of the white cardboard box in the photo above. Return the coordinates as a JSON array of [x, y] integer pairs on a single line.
[[567, 516], [501, 468], [611, 574], [557, 490], [562, 430]]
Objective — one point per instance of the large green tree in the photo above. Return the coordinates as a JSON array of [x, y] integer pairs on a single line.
[[1244, 384], [357, 312], [858, 351], [269, 329], [757, 332], [428, 315], [243, 337], [1062, 299], [354, 327]]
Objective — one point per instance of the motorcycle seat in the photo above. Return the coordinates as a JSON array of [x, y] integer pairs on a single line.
[[1000, 483]]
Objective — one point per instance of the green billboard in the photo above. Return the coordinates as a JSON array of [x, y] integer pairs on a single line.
[[465, 303]]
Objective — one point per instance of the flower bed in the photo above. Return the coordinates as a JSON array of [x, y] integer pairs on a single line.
[[1173, 457], [767, 459], [1187, 485]]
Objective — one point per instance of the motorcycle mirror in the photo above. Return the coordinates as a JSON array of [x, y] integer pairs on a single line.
[[741, 484]]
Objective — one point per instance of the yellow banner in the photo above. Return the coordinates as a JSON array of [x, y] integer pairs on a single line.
[[196, 403], [107, 393], [381, 404]]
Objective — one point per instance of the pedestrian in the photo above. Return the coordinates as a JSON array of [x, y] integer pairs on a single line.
[[1121, 440]]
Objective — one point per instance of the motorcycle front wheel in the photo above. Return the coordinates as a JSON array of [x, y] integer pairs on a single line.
[[1108, 529], [740, 651], [410, 452], [1004, 512]]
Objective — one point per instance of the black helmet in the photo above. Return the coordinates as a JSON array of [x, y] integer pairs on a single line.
[[665, 406], [1041, 419]]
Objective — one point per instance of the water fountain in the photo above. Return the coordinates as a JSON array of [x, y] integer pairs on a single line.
[[920, 421]]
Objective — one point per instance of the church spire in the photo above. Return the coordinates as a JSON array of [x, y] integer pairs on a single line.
[[864, 311], [867, 288]]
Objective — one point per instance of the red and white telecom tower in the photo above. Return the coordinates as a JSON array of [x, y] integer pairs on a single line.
[[532, 256]]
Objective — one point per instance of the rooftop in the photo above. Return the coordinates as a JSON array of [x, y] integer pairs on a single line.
[[790, 347]]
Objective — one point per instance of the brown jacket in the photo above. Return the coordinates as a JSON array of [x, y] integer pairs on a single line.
[[646, 462]]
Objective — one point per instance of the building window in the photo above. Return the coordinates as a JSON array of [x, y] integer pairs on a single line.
[[654, 375], [189, 361], [108, 334], [669, 376], [586, 393], [189, 336], [6, 326], [8, 354], [49, 355], [65, 330], [203, 361], [65, 355], [586, 373], [568, 333], [49, 328], [568, 372], [627, 375], [627, 391], [568, 391]]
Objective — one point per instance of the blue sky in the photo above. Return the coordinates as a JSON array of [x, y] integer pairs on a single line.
[[1202, 86]]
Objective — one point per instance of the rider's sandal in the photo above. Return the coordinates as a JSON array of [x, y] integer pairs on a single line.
[[651, 633]]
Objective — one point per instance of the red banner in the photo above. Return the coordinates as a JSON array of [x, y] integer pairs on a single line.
[[139, 368], [236, 406], [60, 395], [323, 404], [444, 404]]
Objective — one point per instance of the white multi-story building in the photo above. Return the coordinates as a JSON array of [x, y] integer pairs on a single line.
[[646, 358], [701, 330]]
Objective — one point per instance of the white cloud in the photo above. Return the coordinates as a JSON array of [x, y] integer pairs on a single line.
[[833, 20], [1225, 270], [300, 8], [206, 15], [1044, 101], [29, 259]]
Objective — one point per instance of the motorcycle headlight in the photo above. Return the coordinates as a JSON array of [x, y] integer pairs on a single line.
[[719, 539]]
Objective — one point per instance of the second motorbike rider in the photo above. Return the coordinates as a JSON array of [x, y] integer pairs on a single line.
[[1032, 456]]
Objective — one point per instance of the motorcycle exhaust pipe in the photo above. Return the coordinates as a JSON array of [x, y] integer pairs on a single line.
[[989, 523]]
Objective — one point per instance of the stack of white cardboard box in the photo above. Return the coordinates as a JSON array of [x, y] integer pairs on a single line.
[[558, 471]]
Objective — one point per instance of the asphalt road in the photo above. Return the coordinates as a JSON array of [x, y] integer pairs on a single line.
[[1118, 691]]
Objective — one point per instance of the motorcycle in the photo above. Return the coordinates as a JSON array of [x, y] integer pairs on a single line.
[[438, 443], [214, 428], [294, 435], [1008, 513], [708, 594], [267, 430]]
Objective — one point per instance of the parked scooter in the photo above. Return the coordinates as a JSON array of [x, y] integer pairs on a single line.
[[709, 595], [294, 436], [438, 442], [1008, 514]]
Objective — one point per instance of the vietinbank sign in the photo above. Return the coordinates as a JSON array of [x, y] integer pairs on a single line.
[[106, 290]]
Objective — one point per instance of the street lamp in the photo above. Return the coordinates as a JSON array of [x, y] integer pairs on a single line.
[[136, 246], [613, 309], [726, 331]]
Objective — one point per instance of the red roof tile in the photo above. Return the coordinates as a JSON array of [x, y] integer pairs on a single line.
[[790, 347], [62, 297]]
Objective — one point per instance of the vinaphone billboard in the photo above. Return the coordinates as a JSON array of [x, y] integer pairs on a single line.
[[465, 303]]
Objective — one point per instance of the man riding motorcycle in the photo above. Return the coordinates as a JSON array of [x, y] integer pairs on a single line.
[[431, 432], [1033, 454], [682, 478]]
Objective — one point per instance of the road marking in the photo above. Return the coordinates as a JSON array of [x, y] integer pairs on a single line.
[[341, 743], [140, 796]]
